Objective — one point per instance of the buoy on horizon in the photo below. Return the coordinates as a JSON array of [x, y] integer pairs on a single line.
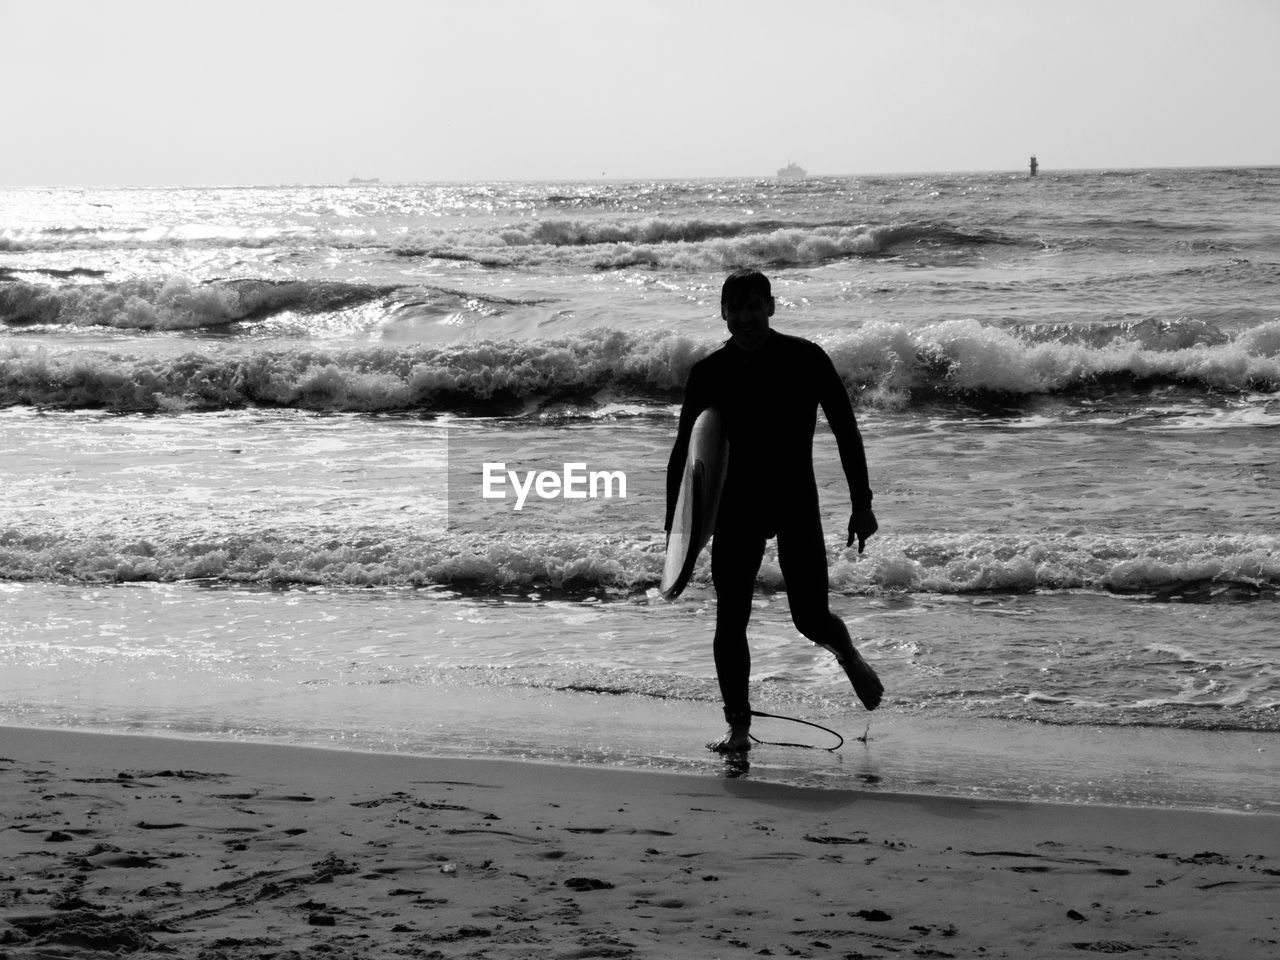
[[1035, 165]]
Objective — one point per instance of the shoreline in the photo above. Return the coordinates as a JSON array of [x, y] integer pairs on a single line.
[[971, 758], [717, 767], [143, 843]]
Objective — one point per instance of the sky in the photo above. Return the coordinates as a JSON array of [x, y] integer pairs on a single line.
[[277, 91]]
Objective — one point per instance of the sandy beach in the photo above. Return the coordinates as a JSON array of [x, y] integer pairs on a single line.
[[139, 845]]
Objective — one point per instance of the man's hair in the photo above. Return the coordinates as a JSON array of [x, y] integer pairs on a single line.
[[740, 284]]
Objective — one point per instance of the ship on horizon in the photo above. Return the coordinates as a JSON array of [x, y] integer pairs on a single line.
[[792, 171], [364, 180]]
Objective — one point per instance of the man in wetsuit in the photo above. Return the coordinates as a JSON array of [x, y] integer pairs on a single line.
[[767, 387]]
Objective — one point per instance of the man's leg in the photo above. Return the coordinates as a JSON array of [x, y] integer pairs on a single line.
[[735, 561], [802, 557]]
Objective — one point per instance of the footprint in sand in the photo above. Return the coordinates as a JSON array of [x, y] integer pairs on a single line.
[[587, 883]]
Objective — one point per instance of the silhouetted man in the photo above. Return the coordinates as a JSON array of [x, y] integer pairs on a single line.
[[767, 387]]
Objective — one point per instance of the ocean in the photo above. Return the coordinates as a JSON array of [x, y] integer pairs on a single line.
[[244, 436]]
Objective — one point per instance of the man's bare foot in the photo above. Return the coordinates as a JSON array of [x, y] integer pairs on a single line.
[[866, 684], [737, 740]]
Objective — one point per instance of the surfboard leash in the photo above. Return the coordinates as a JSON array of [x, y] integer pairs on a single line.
[[807, 723]]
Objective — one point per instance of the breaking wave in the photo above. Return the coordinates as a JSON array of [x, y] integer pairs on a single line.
[[891, 366], [1225, 568], [180, 303], [506, 374], [688, 243], [684, 244], [174, 303]]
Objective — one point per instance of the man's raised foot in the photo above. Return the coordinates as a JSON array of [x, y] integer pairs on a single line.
[[866, 684]]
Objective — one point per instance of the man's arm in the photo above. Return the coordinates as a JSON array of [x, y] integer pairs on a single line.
[[839, 412], [853, 458]]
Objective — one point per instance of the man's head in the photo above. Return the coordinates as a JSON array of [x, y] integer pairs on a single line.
[[746, 304]]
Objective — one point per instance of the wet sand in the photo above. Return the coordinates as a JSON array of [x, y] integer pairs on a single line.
[[144, 846]]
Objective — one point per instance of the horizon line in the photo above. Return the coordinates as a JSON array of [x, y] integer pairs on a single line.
[[377, 181]]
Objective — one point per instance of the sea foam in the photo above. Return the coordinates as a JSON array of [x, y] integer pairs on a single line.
[[1247, 566], [686, 245], [890, 365], [172, 303]]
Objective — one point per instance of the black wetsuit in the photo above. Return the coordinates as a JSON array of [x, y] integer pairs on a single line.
[[768, 399]]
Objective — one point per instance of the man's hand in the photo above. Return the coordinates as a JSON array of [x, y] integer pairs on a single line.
[[862, 524]]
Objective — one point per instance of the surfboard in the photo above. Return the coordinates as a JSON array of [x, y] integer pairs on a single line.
[[697, 502]]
